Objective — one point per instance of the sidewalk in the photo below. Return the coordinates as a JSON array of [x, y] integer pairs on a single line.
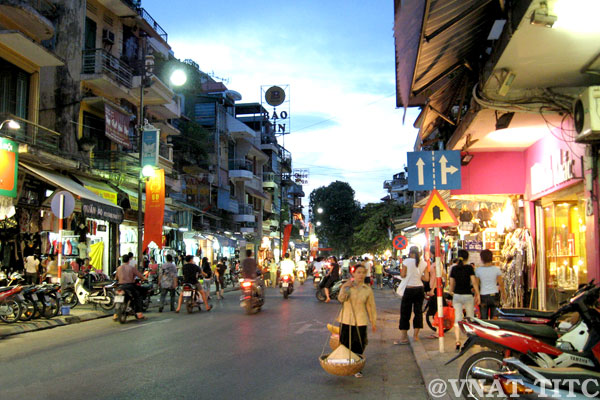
[[80, 313]]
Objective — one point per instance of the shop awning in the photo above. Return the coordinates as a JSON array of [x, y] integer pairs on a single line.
[[256, 193], [102, 189], [93, 206], [133, 198]]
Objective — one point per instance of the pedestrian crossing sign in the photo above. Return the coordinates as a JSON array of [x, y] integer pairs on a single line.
[[436, 213]]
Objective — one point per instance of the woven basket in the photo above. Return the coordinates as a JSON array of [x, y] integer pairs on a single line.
[[334, 341], [343, 369]]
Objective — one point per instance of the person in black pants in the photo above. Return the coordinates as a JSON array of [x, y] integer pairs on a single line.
[[413, 271]]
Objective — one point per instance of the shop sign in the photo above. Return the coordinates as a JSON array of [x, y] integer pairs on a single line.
[[116, 126], [155, 209], [9, 161], [105, 212], [150, 143], [553, 170], [105, 194], [473, 245]]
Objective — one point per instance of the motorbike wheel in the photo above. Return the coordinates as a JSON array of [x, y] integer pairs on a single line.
[[70, 299], [321, 295], [10, 311], [122, 312], [28, 310], [189, 307], [39, 309], [286, 294], [52, 306], [485, 359], [145, 304], [111, 301]]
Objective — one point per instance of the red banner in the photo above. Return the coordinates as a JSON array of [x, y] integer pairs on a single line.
[[287, 232], [155, 209], [116, 126]]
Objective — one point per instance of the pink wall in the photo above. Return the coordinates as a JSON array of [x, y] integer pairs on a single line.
[[501, 172]]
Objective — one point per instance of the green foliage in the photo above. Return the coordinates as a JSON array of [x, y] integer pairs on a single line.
[[371, 233], [339, 215]]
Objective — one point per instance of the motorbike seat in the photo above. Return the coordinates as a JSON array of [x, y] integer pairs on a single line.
[[525, 312], [580, 376], [541, 331], [6, 288]]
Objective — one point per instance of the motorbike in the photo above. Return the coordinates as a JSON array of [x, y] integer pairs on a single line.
[[87, 291], [252, 298], [48, 296], [286, 285], [191, 297], [534, 344], [528, 382], [333, 292], [10, 303], [123, 300], [301, 276], [316, 279]]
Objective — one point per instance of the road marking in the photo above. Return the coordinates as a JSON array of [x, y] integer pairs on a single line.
[[309, 328], [148, 323]]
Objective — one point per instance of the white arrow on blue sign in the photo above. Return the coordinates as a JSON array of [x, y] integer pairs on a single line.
[[429, 170]]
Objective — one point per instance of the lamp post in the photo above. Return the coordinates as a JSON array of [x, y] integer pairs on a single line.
[[177, 78]]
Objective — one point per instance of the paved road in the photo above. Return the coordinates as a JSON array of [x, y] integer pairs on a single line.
[[222, 354]]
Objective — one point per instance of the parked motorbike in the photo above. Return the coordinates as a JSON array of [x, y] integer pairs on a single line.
[[101, 293], [286, 285], [10, 303], [534, 344], [48, 296], [252, 297], [301, 276], [333, 292], [527, 382]]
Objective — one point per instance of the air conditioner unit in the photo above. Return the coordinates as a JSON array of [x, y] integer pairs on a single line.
[[108, 37], [586, 115]]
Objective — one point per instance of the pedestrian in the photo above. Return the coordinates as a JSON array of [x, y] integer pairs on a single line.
[[152, 270], [31, 269], [358, 310], [332, 277], [369, 267], [378, 274], [414, 272], [490, 282], [220, 278], [51, 270], [167, 281], [132, 260], [207, 275], [462, 284], [273, 272]]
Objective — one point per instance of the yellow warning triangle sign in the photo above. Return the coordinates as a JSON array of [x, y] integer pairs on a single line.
[[436, 213]]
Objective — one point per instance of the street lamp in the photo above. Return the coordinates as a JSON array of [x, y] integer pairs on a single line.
[[320, 210], [177, 78], [12, 124], [318, 223]]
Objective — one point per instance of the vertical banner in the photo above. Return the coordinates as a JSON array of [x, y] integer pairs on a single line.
[[287, 232], [312, 240], [9, 160], [150, 142], [155, 209]]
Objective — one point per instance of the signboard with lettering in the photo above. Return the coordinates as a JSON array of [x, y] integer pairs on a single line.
[[150, 143], [116, 126], [553, 170]]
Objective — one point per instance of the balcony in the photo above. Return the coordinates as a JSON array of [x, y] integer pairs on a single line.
[[270, 180], [240, 170], [268, 142], [239, 130], [170, 110], [147, 18], [165, 157], [28, 17], [286, 159], [122, 8], [157, 93], [106, 74], [245, 214], [32, 134]]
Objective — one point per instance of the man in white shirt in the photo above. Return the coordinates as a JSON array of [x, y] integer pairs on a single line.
[[288, 266], [368, 266], [345, 266], [31, 270]]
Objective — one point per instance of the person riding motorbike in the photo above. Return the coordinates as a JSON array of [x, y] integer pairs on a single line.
[[250, 270], [288, 266], [331, 278], [126, 276], [190, 276]]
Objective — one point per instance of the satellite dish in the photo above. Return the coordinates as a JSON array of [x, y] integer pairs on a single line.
[[235, 96]]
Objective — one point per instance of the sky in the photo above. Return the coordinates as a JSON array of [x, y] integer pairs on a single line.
[[337, 56]]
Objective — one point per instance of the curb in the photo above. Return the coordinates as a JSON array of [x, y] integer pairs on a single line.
[[40, 324], [426, 367]]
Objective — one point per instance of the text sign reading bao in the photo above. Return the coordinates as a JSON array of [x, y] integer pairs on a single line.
[[434, 170], [400, 242], [436, 213]]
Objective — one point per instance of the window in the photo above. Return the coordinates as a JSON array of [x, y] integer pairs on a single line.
[[93, 129], [14, 90]]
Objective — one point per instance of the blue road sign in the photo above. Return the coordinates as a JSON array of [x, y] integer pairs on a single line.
[[429, 170]]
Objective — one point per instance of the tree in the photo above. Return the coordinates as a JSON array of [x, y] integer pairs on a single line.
[[374, 223], [338, 217]]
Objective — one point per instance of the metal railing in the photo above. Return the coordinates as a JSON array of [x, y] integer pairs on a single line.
[[148, 18], [240, 164], [270, 177], [165, 151], [116, 161], [44, 7], [32, 134], [245, 209], [100, 61]]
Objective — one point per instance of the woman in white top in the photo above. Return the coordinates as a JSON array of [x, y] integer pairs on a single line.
[[413, 271]]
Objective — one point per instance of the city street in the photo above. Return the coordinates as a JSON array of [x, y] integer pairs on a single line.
[[216, 355]]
